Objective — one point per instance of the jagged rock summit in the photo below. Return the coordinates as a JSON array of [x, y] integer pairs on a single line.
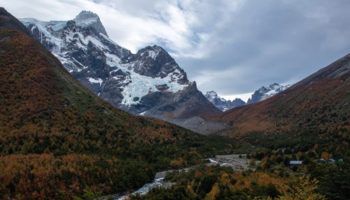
[[260, 94], [222, 103], [265, 92], [90, 19]]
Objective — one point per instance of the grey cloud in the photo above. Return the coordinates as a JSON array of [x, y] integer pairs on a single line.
[[272, 41]]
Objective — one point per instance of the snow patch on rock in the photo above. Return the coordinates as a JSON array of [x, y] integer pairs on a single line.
[[137, 86], [94, 80]]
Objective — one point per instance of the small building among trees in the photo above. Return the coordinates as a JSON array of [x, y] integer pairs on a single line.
[[295, 163]]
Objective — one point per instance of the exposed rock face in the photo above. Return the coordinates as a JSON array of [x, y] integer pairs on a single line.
[[222, 103], [90, 19], [149, 82]]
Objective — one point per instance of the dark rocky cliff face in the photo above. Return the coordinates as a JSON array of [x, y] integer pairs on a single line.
[[154, 61]]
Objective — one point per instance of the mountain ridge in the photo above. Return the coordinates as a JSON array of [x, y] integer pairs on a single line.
[[265, 92], [316, 104], [258, 95], [90, 19]]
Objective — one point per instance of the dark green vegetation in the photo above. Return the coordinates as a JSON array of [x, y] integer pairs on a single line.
[[324, 174], [329, 165], [59, 141]]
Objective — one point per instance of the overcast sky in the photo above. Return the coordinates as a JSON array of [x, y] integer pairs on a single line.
[[230, 46]]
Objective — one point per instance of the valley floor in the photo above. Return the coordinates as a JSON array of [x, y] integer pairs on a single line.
[[238, 162]]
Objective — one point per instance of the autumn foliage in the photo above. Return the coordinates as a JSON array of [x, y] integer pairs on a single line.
[[318, 103], [59, 141]]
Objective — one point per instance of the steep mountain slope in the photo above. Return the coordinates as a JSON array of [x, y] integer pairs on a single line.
[[149, 82], [317, 105], [222, 103], [58, 140], [266, 92]]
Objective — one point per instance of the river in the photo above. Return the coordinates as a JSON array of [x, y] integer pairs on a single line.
[[238, 162]]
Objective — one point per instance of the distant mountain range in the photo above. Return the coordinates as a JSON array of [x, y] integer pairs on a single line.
[[259, 95], [222, 103], [148, 83], [316, 106], [265, 92]]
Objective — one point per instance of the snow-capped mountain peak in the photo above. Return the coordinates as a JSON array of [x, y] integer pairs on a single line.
[[154, 61], [90, 19], [260, 94], [86, 16], [151, 51], [148, 82], [100, 63], [211, 95], [222, 103], [265, 92]]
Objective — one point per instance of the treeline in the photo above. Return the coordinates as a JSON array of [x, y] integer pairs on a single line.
[[45, 176]]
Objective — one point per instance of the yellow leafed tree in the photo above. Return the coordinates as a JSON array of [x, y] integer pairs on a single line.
[[303, 189]]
